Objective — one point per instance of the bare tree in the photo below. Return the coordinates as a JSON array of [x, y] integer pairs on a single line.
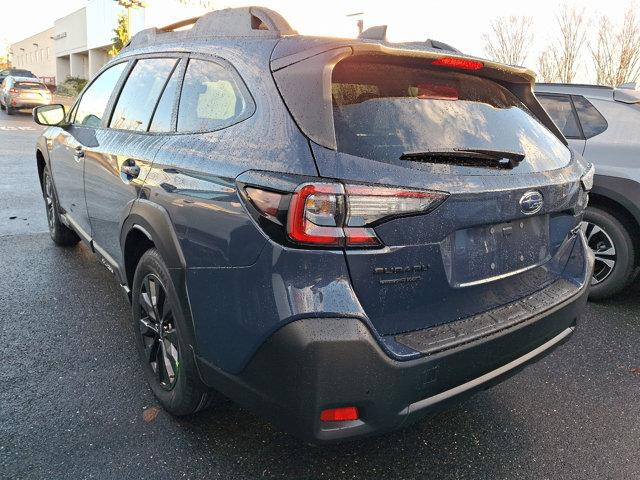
[[560, 58], [573, 34], [547, 68], [509, 39], [616, 55]]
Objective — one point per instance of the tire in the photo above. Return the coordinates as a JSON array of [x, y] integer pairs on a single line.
[[9, 110], [2, 106], [168, 366], [614, 267], [60, 233]]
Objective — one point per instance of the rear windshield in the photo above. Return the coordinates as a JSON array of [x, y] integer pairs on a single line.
[[30, 86], [383, 111]]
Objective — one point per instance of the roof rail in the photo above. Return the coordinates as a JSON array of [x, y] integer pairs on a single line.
[[182, 23], [379, 32], [229, 22]]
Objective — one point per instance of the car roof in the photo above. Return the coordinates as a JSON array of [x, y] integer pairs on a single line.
[[592, 91], [26, 79], [261, 32]]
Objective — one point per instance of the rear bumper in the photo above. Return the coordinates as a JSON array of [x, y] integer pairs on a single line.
[[313, 364], [27, 103]]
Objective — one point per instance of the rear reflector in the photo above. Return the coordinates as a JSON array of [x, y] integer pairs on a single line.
[[342, 414], [461, 63]]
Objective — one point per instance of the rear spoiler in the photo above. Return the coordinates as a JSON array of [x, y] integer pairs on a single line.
[[313, 68], [626, 94]]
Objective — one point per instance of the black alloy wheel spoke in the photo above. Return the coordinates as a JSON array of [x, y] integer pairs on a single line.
[[148, 328], [48, 197], [159, 336], [151, 351]]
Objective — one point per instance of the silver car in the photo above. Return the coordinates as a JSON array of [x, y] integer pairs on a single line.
[[23, 92], [603, 124]]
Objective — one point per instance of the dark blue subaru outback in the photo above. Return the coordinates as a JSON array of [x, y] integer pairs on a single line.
[[341, 235]]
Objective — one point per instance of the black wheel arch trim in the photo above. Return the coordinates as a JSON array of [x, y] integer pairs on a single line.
[[153, 221], [622, 191]]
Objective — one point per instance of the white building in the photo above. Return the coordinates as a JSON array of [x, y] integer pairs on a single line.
[[78, 43], [83, 38], [36, 54]]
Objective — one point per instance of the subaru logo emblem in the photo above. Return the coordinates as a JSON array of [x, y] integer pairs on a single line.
[[531, 202]]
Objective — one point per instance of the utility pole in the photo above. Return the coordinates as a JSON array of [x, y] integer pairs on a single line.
[[360, 22]]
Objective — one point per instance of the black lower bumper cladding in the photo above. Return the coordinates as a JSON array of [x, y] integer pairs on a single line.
[[315, 364]]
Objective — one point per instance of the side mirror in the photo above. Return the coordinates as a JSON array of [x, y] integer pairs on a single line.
[[49, 115]]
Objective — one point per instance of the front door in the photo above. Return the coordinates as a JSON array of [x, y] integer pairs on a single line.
[[69, 149]]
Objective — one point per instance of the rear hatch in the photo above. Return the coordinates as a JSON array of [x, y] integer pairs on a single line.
[[32, 90], [455, 126]]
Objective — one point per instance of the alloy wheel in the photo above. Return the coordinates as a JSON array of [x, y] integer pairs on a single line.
[[48, 201], [157, 327], [604, 250]]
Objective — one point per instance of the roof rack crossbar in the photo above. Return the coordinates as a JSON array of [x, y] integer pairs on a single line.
[[180, 24]]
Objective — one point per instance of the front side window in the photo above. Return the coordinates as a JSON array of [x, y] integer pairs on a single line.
[[140, 94], [211, 98], [93, 103], [592, 121], [560, 110]]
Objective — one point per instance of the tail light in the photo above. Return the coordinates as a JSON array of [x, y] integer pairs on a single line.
[[460, 63], [337, 215], [14, 90]]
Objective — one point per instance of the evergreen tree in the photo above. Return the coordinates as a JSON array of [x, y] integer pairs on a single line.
[[121, 35]]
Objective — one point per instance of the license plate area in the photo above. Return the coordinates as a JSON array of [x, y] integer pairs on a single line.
[[485, 253]]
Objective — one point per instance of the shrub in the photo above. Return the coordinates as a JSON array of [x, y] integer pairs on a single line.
[[71, 87]]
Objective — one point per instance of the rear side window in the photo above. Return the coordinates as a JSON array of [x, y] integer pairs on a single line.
[[385, 111], [561, 112], [140, 94], [93, 103], [592, 121], [211, 98]]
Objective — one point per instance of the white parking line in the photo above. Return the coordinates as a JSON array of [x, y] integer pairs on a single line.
[[15, 128]]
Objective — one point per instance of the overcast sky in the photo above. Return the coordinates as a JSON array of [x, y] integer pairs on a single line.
[[460, 23]]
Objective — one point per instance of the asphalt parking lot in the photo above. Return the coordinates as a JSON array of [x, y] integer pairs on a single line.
[[73, 404]]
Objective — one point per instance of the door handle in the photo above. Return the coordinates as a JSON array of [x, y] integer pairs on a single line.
[[130, 170]]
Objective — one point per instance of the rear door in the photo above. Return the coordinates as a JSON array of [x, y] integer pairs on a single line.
[[503, 233], [116, 168]]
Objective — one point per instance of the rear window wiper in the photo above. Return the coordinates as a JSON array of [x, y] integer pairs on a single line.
[[474, 157]]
